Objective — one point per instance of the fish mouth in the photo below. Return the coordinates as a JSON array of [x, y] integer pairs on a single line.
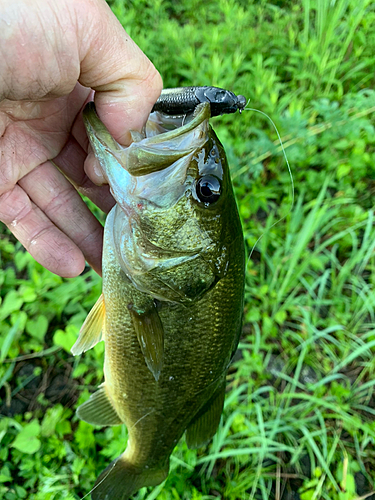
[[164, 139], [167, 144]]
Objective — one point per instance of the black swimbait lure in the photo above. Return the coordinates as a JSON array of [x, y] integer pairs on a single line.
[[183, 100]]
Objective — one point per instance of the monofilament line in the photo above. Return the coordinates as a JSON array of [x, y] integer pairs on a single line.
[[290, 174], [100, 482]]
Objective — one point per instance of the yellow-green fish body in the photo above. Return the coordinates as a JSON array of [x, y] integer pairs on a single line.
[[173, 280]]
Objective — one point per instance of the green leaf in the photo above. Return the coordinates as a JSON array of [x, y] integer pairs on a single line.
[[66, 339], [28, 294], [253, 315], [21, 492], [80, 370], [21, 258], [280, 317], [37, 328], [9, 339], [27, 440], [343, 170], [53, 418], [307, 495], [5, 475], [84, 436], [12, 302], [63, 428], [7, 376]]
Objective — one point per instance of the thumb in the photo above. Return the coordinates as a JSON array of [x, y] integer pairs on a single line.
[[124, 79]]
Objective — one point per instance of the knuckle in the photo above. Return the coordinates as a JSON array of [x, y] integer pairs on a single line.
[[14, 206], [6, 179], [7, 173], [61, 200], [152, 79]]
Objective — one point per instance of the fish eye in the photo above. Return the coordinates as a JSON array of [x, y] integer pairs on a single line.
[[208, 189]]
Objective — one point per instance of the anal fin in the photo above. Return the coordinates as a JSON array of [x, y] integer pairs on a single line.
[[204, 425], [98, 410], [150, 333], [91, 331]]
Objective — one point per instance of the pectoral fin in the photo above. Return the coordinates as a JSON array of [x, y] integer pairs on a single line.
[[98, 410], [150, 335], [204, 425], [91, 330]]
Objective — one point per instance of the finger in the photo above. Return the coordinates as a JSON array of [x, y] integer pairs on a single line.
[[71, 162], [61, 203], [126, 82], [32, 133], [91, 165], [42, 239], [93, 169]]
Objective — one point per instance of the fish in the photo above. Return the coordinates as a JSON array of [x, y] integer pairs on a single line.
[[170, 312]]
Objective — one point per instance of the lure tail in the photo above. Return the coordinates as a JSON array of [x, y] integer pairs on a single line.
[[121, 479]]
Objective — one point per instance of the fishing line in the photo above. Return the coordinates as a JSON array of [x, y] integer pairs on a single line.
[[290, 175], [100, 482], [144, 416]]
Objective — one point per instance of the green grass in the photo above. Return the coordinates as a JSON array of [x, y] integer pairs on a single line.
[[299, 413]]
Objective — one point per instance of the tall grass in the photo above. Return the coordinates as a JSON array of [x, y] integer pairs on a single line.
[[329, 32]]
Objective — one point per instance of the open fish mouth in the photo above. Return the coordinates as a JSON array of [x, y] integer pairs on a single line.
[[167, 144], [149, 152]]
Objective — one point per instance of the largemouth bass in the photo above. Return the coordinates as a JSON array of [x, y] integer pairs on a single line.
[[173, 285]]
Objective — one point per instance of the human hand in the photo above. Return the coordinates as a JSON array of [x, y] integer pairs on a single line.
[[52, 55]]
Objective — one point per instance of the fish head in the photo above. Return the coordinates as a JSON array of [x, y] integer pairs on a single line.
[[176, 222]]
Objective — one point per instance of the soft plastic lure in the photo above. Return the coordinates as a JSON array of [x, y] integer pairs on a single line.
[[184, 100]]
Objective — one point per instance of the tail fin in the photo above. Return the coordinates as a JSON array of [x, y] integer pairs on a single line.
[[121, 479]]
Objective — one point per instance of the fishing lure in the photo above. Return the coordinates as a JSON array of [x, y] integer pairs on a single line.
[[184, 100]]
